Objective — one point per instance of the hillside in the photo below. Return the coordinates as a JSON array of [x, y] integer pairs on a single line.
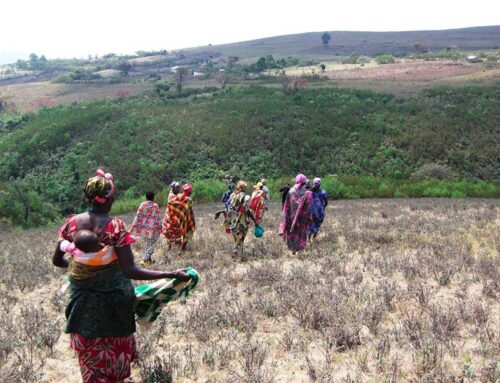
[[253, 132], [365, 43]]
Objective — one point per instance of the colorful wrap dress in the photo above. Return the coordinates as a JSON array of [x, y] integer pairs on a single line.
[[147, 221], [296, 217], [147, 224], [100, 312], [236, 217], [178, 224], [319, 198], [258, 205]]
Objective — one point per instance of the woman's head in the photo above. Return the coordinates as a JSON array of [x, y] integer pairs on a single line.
[[230, 186], [242, 185], [317, 182], [150, 196], [300, 180], [187, 189], [259, 186], [175, 187], [100, 189]]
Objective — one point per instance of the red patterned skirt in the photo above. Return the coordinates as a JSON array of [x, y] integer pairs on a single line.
[[106, 359]]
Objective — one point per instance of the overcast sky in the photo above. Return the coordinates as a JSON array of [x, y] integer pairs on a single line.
[[76, 28]]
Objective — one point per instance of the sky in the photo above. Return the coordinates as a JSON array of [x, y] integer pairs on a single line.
[[77, 28]]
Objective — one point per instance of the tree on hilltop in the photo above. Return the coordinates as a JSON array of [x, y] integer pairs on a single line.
[[325, 38]]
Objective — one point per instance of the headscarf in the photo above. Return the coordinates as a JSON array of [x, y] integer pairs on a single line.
[[99, 188], [230, 186], [317, 181], [300, 180], [175, 184], [259, 185], [263, 181], [242, 185], [187, 189]]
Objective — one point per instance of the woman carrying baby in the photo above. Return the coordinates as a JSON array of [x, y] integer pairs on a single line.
[[100, 312]]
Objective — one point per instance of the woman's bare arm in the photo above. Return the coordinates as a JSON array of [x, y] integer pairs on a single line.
[[58, 257], [132, 271]]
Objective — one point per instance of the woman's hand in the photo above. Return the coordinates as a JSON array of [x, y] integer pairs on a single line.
[[179, 274]]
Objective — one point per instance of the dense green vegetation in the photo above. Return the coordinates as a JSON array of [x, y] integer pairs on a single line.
[[147, 141]]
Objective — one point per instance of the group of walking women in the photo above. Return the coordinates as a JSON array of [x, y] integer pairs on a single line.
[[302, 214], [100, 313], [178, 223]]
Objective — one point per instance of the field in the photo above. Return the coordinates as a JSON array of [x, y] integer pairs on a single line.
[[35, 95], [403, 78], [392, 290]]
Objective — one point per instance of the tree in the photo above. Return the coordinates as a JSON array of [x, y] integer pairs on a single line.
[[124, 67], [33, 58], [322, 67], [261, 64], [284, 80], [223, 79], [326, 37], [180, 77]]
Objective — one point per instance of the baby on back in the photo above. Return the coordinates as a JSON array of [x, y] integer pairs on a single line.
[[87, 249]]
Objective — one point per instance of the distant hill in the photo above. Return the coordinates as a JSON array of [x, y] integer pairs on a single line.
[[366, 43]]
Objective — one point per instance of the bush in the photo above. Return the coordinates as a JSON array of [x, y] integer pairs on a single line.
[[352, 59], [434, 171], [386, 58]]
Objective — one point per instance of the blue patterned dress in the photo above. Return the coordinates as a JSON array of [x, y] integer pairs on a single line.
[[319, 198]]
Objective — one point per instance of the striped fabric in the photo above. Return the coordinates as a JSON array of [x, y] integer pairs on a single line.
[[178, 223], [151, 297], [100, 258]]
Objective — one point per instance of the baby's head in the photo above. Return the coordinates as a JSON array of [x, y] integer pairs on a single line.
[[87, 241]]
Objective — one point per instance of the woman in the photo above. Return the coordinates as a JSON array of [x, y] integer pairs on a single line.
[[319, 204], [175, 189], [178, 224], [100, 313], [227, 194], [147, 226], [237, 216], [296, 215], [258, 202]]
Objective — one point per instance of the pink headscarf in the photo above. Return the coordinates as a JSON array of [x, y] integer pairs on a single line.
[[300, 180], [109, 177], [187, 189]]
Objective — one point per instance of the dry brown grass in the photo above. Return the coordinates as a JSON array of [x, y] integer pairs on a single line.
[[392, 290], [27, 96]]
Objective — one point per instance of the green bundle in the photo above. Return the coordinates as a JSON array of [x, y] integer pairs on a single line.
[[151, 297]]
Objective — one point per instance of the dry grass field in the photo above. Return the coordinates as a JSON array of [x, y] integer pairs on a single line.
[[34, 95], [403, 78], [391, 291]]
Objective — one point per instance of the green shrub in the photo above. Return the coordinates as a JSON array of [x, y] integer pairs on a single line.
[[386, 58]]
